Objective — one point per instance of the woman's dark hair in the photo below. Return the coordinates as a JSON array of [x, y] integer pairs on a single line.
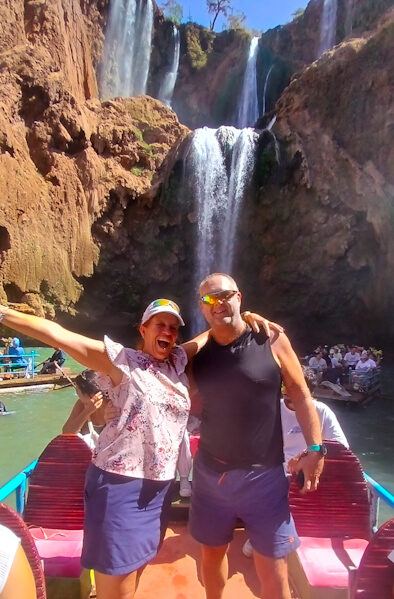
[[86, 381]]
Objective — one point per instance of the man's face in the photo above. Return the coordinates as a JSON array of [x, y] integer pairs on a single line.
[[225, 311]]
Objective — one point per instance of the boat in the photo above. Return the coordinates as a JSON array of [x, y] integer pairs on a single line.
[[36, 383], [174, 572], [17, 379], [358, 388]]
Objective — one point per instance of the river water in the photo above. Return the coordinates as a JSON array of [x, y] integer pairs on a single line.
[[39, 417]]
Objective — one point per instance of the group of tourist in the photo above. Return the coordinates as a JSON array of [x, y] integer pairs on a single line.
[[236, 370], [334, 364]]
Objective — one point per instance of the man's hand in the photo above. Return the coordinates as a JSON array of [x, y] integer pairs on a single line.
[[255, 321], [311, 463], [111, 412]]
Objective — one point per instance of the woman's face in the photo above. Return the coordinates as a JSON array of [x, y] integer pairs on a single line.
[[160, 334]]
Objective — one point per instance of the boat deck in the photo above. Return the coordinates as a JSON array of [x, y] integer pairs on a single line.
[[173, 574], [12, 383]]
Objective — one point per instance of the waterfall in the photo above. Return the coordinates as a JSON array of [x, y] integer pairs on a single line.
[[266, 86], [328, 26], [127, 47], [242, 164], [221, 162], [248, 108], [167, 87]]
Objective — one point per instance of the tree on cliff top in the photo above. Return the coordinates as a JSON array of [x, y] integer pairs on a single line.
[[172, 10], [217, 7]]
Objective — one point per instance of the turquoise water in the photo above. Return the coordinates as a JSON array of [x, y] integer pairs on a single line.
[[39, 417]]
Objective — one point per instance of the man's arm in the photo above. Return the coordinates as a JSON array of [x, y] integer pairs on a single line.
[[297, 389], [89, 352]]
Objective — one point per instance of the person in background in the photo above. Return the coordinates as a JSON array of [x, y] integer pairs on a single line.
[[185, 460], [352, 357], [318, 363], [365, 363], [57, 359], [16, 576], [3, 409], [87, 415], [17, 353], [293, 439], [336, 353]]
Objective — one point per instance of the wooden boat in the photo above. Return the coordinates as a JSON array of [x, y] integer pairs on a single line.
[[174, 573], [10, 383], [358, 389]]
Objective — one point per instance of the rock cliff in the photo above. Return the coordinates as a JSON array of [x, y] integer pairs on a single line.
[[324, 220], [70, 167]]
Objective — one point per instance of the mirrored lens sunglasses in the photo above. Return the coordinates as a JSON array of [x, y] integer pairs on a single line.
[[211, 299], [166, 302]]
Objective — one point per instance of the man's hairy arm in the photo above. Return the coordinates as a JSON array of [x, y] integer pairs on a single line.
[[306, 413]]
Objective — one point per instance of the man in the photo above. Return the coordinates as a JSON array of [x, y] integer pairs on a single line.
[[293, 439], [57, 359], [352, 357], [238, 470]]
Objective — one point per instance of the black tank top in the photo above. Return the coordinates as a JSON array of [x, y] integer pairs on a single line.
[[240, 388]]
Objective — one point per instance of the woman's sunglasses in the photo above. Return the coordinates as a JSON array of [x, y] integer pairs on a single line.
[[166, 302], [212, 299]]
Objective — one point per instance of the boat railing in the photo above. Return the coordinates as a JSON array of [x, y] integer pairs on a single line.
[[8, 366], [19, 483], [364, 381]]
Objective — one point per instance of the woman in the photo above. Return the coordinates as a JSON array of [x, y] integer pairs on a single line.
[[87, 415], [128, 485]]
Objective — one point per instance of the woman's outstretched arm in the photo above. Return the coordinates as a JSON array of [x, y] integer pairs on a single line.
[[89, 352]]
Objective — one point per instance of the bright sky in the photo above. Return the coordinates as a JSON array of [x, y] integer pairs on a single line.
[[260, 14]]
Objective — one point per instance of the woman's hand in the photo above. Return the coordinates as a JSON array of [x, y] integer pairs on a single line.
[[91, 404], [255, 321], [111, 412]]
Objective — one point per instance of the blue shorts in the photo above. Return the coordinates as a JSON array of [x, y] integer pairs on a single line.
[[125, 521], [258, 496]]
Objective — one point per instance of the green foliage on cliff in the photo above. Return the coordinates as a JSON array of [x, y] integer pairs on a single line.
[[199, 44]]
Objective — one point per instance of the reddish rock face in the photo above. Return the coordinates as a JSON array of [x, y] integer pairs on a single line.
[[65, 159]]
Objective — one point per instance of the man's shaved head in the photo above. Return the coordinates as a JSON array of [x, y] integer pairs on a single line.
[[218, 274]]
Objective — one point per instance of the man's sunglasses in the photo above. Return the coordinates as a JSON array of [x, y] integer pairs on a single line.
[[166, 302], [212, 299]]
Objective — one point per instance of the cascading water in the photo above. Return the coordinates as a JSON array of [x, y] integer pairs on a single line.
[[328, 26], [218, 195], [248, 108], [127, 48], [266, 87], [167, 87]]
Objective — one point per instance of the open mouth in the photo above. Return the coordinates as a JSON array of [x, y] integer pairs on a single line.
[[163, 343]]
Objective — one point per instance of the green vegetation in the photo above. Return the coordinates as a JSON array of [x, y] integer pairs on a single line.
[[199, 43], [138, 171], [172, 10]]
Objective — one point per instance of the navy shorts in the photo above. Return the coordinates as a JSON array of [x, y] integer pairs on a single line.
[[125, 521], [258, 496]]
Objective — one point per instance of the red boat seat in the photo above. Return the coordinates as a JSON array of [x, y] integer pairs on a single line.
[[59, 550], [375, 575], [56, 486], [55, 512], [334, 525]]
